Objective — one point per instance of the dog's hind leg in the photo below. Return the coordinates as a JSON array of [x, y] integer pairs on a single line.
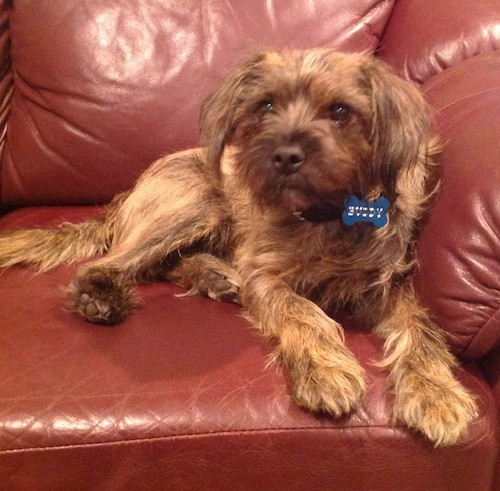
[[173, 207], [103, 290], [207, 275]]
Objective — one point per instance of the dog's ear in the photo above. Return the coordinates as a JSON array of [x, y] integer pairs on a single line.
[[222, 111], [400, 127]]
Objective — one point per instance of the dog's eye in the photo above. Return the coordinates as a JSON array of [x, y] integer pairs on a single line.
[[267, 107], [339, 112]]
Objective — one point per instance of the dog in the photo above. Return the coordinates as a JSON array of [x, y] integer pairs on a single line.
[[303, 199]]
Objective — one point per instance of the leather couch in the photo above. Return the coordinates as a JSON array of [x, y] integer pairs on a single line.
[[180, 396]]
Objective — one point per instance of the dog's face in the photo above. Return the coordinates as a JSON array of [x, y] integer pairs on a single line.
[[312, 127]]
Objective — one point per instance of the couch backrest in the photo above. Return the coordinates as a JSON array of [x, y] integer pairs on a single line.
[[99, 89]]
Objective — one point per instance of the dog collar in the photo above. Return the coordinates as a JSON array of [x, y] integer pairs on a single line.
[[319, 214], [355, 211]]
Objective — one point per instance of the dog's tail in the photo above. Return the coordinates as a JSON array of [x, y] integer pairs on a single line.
[[44, 249]]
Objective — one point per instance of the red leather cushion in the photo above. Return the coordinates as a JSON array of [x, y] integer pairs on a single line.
[[423, 37], [459, 248], [180, 394], [102, 89]]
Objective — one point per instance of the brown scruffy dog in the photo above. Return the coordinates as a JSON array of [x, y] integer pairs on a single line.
[[303, 201]]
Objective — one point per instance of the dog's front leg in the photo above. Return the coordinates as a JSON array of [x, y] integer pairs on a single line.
[[325, 375], [427, 396]]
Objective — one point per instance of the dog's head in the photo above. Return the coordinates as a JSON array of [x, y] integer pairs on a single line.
[[312, 127]]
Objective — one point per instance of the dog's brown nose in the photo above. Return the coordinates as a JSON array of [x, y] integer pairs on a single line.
[[287, 159]]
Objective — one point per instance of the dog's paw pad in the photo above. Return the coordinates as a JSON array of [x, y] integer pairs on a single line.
[[101, 297], [94, 310]]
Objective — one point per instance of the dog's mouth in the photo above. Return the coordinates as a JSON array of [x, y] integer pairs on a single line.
[[312, 185], [307, 206], [307, 188], [312, 210], [298, 201]]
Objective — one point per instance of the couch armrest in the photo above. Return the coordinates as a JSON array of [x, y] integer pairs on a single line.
[[424, 37], [459, 247]]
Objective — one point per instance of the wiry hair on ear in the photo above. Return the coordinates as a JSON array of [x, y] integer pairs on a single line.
[[400, 127], [221, 112]]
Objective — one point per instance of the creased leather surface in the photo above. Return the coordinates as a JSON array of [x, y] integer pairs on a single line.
[[459, 248], [424, 38], [102, 89], [180, 393]]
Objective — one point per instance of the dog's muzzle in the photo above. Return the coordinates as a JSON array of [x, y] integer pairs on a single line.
[[287, 159]]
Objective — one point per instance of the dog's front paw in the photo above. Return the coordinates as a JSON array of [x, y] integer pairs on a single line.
[[335, 384], [440, 411]]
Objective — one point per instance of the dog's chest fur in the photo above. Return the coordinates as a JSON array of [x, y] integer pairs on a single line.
[[336, 266]]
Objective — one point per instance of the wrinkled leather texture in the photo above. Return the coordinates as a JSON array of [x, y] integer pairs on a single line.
[[180, 396], [424, 38], [459, 248], [127, 79]]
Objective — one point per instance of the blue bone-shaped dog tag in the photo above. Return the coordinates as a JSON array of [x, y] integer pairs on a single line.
[[359, 210]]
